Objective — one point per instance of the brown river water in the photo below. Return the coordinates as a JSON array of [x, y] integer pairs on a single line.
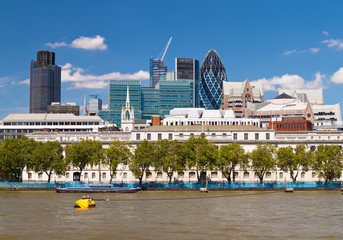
[[173, 215]]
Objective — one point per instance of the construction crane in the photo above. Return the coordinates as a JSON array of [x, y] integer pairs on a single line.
[[166, 48]]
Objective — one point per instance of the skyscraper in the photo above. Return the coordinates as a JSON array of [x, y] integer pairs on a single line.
[[157, 71], [212, 75], [186, 68], [45, 82]]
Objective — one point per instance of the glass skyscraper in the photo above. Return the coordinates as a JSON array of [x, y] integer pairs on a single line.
[[157, 71], [45, 82], [186, 68], [117, 91], [147, 102], [212, 75]]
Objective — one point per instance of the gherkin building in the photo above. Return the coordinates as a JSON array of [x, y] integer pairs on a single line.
[[212, 75]]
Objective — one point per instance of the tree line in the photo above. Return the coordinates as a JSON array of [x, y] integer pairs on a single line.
[[197, 153]]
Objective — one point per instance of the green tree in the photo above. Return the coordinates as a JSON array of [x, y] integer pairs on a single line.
[[144, 157], [328, 162], [169, 157], [201, 154], [15, 155], [262, 160], [294, 160], [117, 153], [83, 153], [48, 158], [230, 156]]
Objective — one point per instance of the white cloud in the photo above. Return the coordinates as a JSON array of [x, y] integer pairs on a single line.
[[89, 43], [26, 82], [287, 81], [314, 50], [80, 79], [334, 43], [57, 44], [293, 51], [325, 33], [289, 52], [337, 77]]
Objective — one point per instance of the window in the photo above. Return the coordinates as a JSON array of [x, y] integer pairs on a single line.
[[181, 134], [246, 175], [313, 148], [103, 175], [148, 175], [245, 136], [213, 134], [214, 174], [93, 175], [281, 175], [86, 175], [268, 175], [170, 136], [149, 136], [159, 136], [256, 136], [29, 175], [180, 175], [67, 175], [267, 136], [302, 175], [313, 174], [236, 175], [40, 175], [159, 175], [138, 137], [235, 136], [125, 175], [192, 135], [224, 134], [192, 175]]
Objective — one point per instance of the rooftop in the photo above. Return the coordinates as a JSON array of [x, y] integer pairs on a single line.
[[205, 128], [28, 117]]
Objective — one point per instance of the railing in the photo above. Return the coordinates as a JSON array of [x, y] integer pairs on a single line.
[[172, 185]]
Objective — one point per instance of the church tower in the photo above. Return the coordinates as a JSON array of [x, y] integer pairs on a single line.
[[127, 114]]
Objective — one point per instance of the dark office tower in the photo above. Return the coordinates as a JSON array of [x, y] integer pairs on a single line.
[[212, 75], [157, 71], [45, 82], [186, 68]]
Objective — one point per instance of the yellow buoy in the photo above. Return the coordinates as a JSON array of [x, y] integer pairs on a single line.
[[84, 202]]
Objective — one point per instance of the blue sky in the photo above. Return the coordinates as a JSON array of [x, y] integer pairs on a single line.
[[287, 44]]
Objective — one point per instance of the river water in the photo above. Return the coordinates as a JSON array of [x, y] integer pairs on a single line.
[[173, 215]]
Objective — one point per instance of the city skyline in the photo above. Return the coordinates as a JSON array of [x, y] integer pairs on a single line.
[[280, 44]]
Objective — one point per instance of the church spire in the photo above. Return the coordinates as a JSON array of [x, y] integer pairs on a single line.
[[127, 96]]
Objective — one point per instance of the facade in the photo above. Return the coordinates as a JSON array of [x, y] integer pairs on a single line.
[[18, 125], [291, 125], [314, 96], [203, 117], [237, 96], [186, 68], [117, 91], [157, 71], [94, 104], [247, 136], [147, 102], [278, 108], [57, 107], [45, 82], [212, 76]]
